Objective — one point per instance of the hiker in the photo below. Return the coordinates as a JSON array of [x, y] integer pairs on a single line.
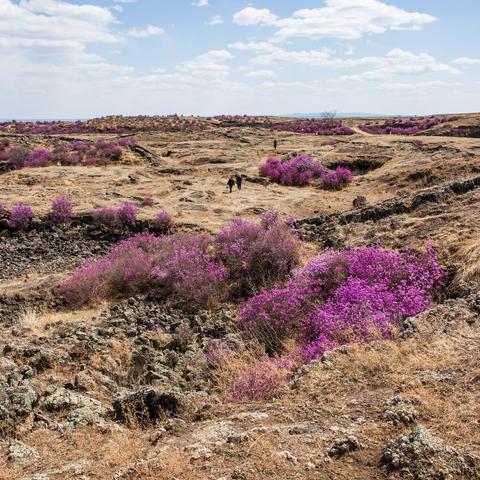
[[239, 180], [230, 183], [275, 144]]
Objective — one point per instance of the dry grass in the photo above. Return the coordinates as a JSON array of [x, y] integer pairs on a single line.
[[467, 259]]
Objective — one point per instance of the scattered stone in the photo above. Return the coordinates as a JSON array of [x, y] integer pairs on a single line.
[[288, 456], [19, 451], [344, 446]]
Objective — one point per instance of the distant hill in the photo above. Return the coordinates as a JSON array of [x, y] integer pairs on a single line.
[[338, 115]]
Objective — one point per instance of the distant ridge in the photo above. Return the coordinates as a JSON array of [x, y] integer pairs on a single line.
[[338, 115]]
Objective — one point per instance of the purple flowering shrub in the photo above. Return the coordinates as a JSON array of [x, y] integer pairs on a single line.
[[301, 170], [20, 216], [405, 126], [124, 216], [314, 126], [80, 152], [163, 222], [127, 214], [147, 201], [258, 255], [62, 210], [176, 265], [343, 296]]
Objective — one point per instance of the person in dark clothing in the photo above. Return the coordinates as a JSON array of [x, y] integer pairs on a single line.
[[239, 180], [275, 144], [230, 183]]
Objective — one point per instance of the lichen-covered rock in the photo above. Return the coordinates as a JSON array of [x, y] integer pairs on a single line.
[[423, 456]]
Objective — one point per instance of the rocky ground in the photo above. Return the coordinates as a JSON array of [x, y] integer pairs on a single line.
[[124, 391]]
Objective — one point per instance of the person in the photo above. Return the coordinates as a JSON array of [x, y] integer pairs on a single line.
[[230, 183], [275, 144], [239, 180]]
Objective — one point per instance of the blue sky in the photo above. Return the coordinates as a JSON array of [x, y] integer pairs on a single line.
[[83, 58]]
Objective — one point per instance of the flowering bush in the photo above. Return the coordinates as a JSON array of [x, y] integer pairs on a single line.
[[405, 126], [62, 209], [257, 255], [20, 216], [177, 265], [314, 126], [163, 222], [301, 170], [127, 214], [124, 216], [354, 295]]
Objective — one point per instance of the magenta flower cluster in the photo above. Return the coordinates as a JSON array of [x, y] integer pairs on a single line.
[[124, 216], [353, 295], [258, 255], [62, 210], [405, 126], [314, 126], [196, 268], [302, 169], [176, 265], [102, 152], [106, 125], [20, 216], [163, 222]]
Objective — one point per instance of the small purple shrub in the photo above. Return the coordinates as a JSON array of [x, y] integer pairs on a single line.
[[62, 210], [256, 256], [20, 216], [127, 214], [163, 222], [40, 157], [106, 216], [147, 201]]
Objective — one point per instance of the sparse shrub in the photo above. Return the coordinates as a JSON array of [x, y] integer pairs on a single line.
[[163, 222], [2, 209], [257, 256], [17, 156], [62, 210], [262, 381], [147, 201], [218, 351], [20, 216], [127, 214], [106, 216]]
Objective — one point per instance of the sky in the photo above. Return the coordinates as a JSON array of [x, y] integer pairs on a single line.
[[87, 58]]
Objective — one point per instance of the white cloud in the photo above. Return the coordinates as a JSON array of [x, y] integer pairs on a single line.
[[347, 19], [200, 3], [261, 74], [148, 31], [216, 20], [466, 61], [255, 16]]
